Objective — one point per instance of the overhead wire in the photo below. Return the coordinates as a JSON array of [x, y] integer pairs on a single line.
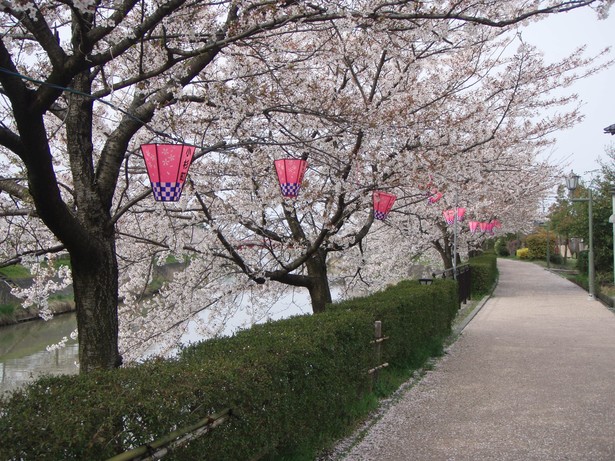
[[98, 99]]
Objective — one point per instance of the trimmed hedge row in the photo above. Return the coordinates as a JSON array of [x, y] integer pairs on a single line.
[[290, 384], [484, 273]]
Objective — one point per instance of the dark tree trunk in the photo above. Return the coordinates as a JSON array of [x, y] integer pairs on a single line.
[[95, 282], [445, 251], [94, 267], [320, 292]]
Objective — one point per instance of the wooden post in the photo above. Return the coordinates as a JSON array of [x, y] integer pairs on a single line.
[[377, 342], [377, 336]]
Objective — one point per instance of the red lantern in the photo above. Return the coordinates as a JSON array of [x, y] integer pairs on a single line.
[[473, 226], [449, 216], [290, 174], [484, 226], [167, 166], [383, 202], [435, 197]]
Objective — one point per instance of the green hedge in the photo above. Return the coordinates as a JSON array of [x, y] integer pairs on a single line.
[[291, 384], [484, 272]]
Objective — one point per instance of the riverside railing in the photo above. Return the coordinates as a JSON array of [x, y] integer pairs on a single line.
[[163, 446], [464, 281]]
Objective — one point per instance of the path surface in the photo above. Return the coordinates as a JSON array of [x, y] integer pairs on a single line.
[[531, 378]]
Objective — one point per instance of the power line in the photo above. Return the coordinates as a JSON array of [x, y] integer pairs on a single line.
[[80, 93]]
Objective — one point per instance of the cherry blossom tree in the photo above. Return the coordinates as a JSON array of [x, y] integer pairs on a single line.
[[375, 109], [375, 94]]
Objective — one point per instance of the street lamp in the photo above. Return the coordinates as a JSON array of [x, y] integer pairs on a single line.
[[612, 220], [572, 182]]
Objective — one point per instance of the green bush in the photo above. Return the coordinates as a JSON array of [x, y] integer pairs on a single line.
[[7, 309], [583, 261], [501, 249], [484, 273], [291, 384], [537, 245], [556, 259]]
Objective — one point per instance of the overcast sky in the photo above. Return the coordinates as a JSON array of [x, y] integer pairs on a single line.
[[558, 36]]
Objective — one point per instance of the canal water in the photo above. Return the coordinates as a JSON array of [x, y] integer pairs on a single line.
[[23, 353], [24, 357]]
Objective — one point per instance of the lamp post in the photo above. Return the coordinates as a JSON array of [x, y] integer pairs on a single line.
[[612, 220], [548, 246], [572, 182]]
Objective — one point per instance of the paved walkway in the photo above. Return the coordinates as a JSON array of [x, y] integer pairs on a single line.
[[531, 378]]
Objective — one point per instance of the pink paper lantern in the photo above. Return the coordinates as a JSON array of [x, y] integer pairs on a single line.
[[473, 225], [167, 167], [290, 174], [449, 216], [435, 197], [487, 227], [496, 223], [383, 202]]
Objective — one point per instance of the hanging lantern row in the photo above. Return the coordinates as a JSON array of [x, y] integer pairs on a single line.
[[449, 215], [290, 175], [167, 167], [168, 164], [485, 227]]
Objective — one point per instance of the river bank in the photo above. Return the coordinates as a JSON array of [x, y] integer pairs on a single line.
[[21, 314]]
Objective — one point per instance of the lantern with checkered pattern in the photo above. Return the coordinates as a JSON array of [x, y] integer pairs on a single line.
[[290, 174], [167, 167], [435, 197], [383, 202], [449, 215]]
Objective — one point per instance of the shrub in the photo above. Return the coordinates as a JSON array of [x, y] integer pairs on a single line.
[[484, 273], [556, 259], [290, 384], [523, 253], [583, 261], [500, 247], [537, 245]]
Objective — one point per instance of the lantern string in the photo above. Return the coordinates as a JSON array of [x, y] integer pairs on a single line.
[[145, 124], [80, 93]]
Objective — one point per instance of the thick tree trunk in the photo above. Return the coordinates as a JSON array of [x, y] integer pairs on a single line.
[[95, 282], [445, 252], [94, 265], [320, 292]]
